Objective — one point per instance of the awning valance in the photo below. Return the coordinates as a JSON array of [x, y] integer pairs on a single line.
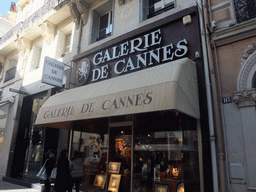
[[170, 86]]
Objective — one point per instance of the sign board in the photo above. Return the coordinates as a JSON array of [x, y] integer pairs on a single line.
[[226, 100], [53, 72], [18, 91]]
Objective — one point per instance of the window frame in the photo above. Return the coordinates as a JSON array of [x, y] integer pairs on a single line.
[[109, 26], [146, 14]]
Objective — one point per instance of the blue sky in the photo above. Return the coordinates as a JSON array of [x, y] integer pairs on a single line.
[[5, 6]]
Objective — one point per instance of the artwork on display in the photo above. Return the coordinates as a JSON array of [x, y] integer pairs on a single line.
[[100, 181], [114, 182], [176, 171], [161, 187], [180, 187], [157, 172], [114, 167], [123, 146]]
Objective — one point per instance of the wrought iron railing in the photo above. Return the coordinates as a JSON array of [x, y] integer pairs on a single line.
[[245, 9], [32, 19]]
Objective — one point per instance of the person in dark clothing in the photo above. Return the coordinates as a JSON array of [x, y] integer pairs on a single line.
[[63, 178], [49, 165]]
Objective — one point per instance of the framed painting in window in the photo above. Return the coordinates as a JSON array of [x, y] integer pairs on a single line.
[[114, 182]]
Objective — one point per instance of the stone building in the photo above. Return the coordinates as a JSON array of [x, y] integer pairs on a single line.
[[231, 39], [135, 99]]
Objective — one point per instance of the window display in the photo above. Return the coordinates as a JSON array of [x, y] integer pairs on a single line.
[[162, 147]]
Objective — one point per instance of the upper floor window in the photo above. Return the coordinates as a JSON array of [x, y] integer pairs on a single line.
[[36, 55], [11, 69], [102, 22], [245, 9], [152, 8], [67, 43]]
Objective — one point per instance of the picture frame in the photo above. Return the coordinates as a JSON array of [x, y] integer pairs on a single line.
[[157, 172], [161, 187], [180, 187], [100, 181], [114, 182], [114, 167], [176, 171]]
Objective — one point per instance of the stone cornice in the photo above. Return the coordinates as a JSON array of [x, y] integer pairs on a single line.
[[48, 31], [245, 98], [234, 33]]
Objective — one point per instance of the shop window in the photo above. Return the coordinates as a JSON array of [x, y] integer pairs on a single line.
[[11, 70], [165, 153], [152, 8], [102, 22], [245, 9]]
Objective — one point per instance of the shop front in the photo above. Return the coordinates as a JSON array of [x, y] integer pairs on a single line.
[[135, 113]]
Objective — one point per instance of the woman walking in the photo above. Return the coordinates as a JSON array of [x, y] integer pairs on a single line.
[[63, 178], [76, 168]]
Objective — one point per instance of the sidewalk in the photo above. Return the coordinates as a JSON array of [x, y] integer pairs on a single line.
[[9, 187]]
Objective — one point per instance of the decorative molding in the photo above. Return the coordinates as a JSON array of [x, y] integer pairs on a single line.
[[74, 13], [23, 45], [83, 10], [48, 31], [234, 33], [79, 10], [248, 61], [245, 98], [248, 51]]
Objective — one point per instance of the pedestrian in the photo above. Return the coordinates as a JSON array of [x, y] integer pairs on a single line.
[[63, 178], [77, 170], [49, 165]]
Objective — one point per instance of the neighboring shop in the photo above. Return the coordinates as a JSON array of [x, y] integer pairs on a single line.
[[138, 111]]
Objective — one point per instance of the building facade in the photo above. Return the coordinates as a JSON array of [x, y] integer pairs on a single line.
[[134, 100], [231, 40], [44, 32]]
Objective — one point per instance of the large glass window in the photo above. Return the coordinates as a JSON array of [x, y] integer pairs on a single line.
[[165, 153], [90, 139]]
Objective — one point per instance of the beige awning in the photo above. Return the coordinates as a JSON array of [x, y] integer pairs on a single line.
[[170, 86]]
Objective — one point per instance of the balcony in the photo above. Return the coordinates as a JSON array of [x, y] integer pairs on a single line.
[[245, 9], [21, 26]]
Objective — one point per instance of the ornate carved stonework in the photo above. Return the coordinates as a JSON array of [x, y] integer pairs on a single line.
[[245, 98], [83, 10], [79, 9], [74, 13], [23, 45], [248, 61], [248, 52], [48, 31]]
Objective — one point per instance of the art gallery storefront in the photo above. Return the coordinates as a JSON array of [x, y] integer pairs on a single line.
[[138, 128]]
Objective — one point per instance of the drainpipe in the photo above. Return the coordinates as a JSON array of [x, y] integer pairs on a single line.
[[209, 100], [213, 102]]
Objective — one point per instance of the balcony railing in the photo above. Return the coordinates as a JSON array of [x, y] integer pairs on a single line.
[[245, 9], [32, 19]]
